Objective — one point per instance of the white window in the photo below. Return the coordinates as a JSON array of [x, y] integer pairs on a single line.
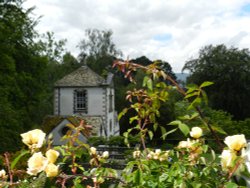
[[80, 101]]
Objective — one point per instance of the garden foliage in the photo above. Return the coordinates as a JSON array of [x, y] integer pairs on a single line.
[[191, 163]]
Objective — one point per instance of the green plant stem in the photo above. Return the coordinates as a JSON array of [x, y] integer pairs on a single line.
[[199, 112], [142, 133], [209, 127], [133, 67]]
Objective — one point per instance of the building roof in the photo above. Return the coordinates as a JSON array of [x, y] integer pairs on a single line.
[[82, 77], [50, 122]]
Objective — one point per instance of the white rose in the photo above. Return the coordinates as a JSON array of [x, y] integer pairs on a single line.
[[236, 142], [37, 163], [33, 139], [158, 151], [245, 153], [196, 132], [227, 158], [51, 170], [105, 154], [52, 155], [92, 150], [150, 155], [183, 144], [3, 174]]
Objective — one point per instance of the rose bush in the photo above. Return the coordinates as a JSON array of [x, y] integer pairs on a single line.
[[192, 163]]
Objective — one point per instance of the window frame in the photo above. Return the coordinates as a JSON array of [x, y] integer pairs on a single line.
[[80, 101]]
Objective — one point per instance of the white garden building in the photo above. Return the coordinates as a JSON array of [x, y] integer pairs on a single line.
[[84, 94]]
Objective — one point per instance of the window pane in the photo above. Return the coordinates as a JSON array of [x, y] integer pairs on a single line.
[[80, 101]]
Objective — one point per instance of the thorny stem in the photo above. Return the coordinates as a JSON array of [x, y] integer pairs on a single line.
[[6, 156], [142, 134], [199, 112], [209, 127], [180, 90], [234, 169]]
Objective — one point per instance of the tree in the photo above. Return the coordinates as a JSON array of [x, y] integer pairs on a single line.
[[98, 50], [229, 69], [19, 91], [98, 44]]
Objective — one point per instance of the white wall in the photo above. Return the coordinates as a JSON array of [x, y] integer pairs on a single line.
[[96, 102], [66, 101], [98, 105], [95, 99]]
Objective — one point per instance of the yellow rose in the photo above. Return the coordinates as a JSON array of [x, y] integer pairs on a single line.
[[51, 170], [196, 132], [227, 159], [52, 155], [136, 154], [164, 156], [33, 139], [92, 150], [36, 163], [236, 142]]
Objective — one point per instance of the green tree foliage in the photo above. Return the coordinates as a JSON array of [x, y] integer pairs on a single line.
[[98, 50], [229, 69], [27, 72], [19, 73], [98, 44]]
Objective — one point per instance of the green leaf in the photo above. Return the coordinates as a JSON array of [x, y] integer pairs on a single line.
[[145, 80], [132, 119], [219, 130], [205, 84], [151, 134], [231, 185], [184, 128], [196, 93], [125, 134], [148, 82], [204, 96], [13, 164], [163, 130], [138, 177], [213, 155], [155, 126], [195, 103], [70, 126], [191, 88], [122, 113], [176, 122], [167, 133]]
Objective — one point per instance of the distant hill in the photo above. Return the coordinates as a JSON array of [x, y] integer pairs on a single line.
[[182, 76]]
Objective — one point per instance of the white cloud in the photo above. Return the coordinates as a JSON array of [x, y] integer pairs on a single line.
[[135, 24]]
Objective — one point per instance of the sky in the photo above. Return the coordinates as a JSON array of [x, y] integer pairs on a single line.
[[170, 30]]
